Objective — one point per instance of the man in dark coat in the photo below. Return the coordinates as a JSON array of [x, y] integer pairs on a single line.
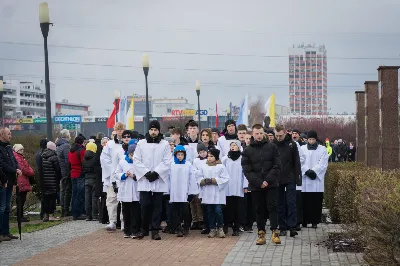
[[10, 169], [290, 176], [62, 150], [262, 167]]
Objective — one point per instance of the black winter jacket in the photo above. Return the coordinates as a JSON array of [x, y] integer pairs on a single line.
[[261, 162], [97, 169], [88, 165], [290, 162], [51, 172], [9, 164]]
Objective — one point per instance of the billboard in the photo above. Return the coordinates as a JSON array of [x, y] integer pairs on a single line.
[[68, 119]]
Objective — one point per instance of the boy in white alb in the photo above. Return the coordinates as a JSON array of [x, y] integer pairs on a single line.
[[182, 184], [234, 210], [213, 180]]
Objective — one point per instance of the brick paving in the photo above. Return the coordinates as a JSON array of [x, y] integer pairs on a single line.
[[82, 243]]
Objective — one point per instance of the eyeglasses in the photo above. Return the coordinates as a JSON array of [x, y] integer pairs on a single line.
[[126, 137]]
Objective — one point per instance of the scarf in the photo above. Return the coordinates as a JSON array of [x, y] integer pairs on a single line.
[[202, 158], [214, 163], [231, 137], [129, 160], [234, 155], [312, 147]]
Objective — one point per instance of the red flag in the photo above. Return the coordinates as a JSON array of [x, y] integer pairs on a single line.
[[111, 120], [216, 115]]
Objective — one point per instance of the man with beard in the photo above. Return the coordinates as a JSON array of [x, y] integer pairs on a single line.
[[230, 133], [152, 160]]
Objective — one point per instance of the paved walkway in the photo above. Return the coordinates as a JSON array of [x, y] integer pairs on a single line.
[[82, 243]]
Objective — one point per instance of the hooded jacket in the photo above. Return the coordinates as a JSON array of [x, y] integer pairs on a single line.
[[328, 148], [62, 151], [88, 165], [261, 162], [75, 158], [51, 172], [26, 169]]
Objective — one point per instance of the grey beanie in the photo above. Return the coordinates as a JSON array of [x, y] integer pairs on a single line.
[[201, 147], [131, 148]]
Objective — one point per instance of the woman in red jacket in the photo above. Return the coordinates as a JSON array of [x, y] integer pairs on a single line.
[[23, 180]]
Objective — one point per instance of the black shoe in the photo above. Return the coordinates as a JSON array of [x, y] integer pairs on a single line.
[[304, 225], [314, 226], [205, 231], [141, 235], [155, 236], [293, 233], [179, 233], [235, 233], [134, 235], [298, 227], [225, 229], [89, 219], [195, 226], [283, 233]]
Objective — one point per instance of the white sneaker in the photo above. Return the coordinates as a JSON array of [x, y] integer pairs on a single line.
[[122, 227], [111, 227]]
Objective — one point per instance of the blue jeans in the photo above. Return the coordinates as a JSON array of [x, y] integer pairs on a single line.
[[5, 207], [78, 196], [287, 216], [215, 217]]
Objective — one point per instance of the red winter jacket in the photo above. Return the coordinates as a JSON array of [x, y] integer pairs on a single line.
[[75, 158], [26, 169]]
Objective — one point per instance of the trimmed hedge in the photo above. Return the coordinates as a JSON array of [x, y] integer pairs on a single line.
[[367, 202]]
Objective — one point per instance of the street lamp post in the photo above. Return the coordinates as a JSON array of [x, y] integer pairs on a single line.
[[145, 65], [1, 102], [44, 19], [198, 101]]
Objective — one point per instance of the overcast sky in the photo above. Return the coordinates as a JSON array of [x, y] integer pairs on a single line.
[[186, 40]]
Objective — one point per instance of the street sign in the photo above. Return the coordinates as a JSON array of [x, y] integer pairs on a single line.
[[40, 120], [68, 119]]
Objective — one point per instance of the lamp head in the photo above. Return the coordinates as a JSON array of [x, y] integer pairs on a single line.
[[145, 60], [44, 16], [198, 86], [1, 86]]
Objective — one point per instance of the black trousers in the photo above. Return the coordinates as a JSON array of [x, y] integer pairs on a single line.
[[205, 216], [151, 210], [49, 203], [250, 212], [103, 213], [132, 217], [233, 213], [22, 196], [299, 207], [312, 207], [180, 213], [263, 200]]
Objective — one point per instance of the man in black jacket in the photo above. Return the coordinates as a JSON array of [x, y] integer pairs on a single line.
[[262, 167], [290, 176], [10, 169]]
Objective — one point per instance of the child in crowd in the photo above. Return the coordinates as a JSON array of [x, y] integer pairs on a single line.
[[182, 184], [233, 212], [248, 138], [128, 194], [198, 163], [213, 180]]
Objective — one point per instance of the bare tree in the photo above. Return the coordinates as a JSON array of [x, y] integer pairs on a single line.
[[257, 113]]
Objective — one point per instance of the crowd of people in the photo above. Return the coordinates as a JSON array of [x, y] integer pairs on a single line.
[[192, 179]]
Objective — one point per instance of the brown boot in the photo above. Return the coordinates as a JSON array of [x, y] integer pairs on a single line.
[[261, 238], [46, 217], [275, 237]]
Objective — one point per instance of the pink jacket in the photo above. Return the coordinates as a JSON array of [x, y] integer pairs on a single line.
[[23, 180]]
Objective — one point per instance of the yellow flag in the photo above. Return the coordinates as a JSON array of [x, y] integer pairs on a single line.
[[270, 109], [130, 116]]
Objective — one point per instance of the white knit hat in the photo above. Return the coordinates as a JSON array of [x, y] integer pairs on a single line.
[[51, 145], [18, 147]]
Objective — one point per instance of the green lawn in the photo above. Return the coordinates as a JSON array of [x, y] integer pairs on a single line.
[[32, 227]]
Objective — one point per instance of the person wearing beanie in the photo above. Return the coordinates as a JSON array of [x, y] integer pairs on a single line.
[[230, 133], [262, 167], [88, 170], [152, 161], [215, 135], [182, 184], [340, 150], [128, 193], [51, 177], [195, 205], [233, 212], [313, 172], [112, 154], [23, 180], [213, 178], [75, 159]]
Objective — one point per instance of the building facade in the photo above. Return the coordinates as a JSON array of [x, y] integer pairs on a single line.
[[66, 108], [308, 80], [23, 98]]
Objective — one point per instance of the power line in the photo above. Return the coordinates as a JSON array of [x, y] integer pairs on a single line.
[[191, 30], [180, 69], [173, 83], [189, 53]]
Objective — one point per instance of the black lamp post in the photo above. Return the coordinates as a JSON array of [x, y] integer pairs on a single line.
[[145, 64], [198, 101], [1, 102], [44, 26]]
